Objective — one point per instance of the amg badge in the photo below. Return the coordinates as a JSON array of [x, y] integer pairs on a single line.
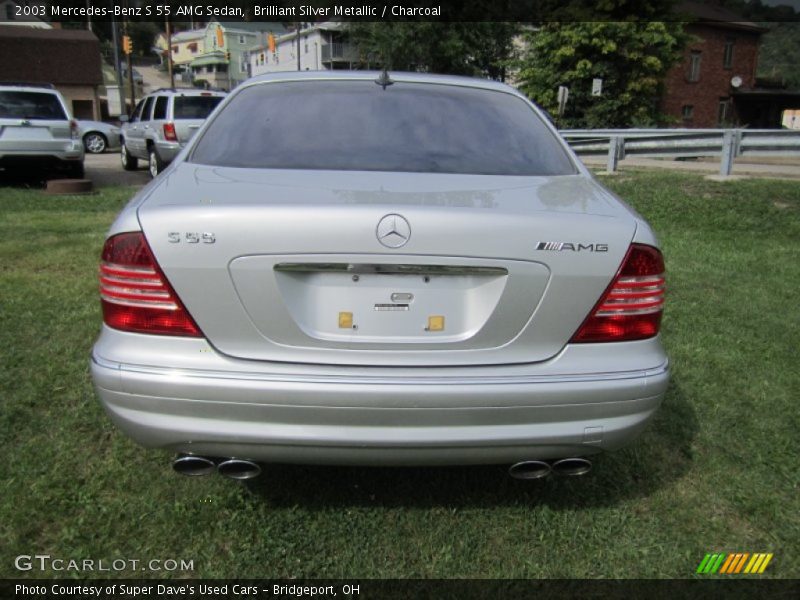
[[561, 246]]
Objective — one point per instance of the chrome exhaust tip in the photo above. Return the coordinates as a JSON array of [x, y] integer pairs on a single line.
[[572, 466], [529, 469], [235, 468], [193, 466]]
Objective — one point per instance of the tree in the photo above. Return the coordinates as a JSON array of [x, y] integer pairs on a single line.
[[779, 54], [142, 34], [631, 58], [478, 49]]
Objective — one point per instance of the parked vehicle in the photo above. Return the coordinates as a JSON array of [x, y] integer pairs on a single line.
[[137, 76], [161, 125], [98, 136], [37, 131], [374, 269]]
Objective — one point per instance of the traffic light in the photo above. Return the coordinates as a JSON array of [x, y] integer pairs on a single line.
[[127, 44]]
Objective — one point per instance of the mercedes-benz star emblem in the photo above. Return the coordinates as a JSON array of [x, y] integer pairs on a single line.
[[393, 231]]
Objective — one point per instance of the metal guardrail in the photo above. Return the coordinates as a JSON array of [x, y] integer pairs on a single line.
[[688, 143]]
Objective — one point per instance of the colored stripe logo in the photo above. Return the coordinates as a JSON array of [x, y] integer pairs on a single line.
[[736, 562]]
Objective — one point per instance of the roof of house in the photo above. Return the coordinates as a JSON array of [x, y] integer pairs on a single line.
[[252, 26], [217, 57], [716, 15], [57, 56], [185, 36]]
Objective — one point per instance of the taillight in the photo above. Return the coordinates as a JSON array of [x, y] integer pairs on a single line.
[[169, 132], [631, 307], [74, 130], [134, 292]]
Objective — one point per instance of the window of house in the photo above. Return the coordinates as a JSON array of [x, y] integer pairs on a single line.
[[241, 39], [243, 64], [687, 112], [727, 57], [193, 48], [725, 111], [174, 49], [694, 65], [305, 43]]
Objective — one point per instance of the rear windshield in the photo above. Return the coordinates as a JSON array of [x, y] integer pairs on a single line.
[[31, 105], [359, 126], [195, 107]]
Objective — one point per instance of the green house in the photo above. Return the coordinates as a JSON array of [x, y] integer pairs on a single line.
[[225, 62]]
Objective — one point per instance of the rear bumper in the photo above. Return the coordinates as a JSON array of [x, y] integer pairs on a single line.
[[23, 160], [474, 416], [167, 151]]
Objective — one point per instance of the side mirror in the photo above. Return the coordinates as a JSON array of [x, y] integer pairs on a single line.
[[124, 118]]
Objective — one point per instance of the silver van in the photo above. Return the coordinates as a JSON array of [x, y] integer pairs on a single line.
[[161, 124]]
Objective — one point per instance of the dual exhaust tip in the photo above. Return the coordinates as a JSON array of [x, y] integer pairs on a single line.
[[536, 469], [233, 468], [236, 468]]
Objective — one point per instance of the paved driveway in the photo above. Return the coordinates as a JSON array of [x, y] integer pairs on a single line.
[[105, 170]]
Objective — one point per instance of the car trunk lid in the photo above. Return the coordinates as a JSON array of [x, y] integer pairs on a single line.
[[353, 268]]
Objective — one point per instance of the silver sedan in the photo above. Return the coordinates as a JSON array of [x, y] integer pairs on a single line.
[[98, 137], [379, 269]]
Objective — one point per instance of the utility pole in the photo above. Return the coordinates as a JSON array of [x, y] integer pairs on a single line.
[[121, 91], [169, 54], [298, 45], [130, 69], [130, 65]]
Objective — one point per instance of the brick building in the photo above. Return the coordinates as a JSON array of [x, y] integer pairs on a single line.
[[719, 64]]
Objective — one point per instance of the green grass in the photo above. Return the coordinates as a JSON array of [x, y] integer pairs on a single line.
[[717, 470]]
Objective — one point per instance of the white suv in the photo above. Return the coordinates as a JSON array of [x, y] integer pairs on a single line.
[[37, 130], [161, 124]]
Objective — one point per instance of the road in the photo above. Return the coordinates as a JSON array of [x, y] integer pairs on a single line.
[[773, 168], [105, 170], [154, 78]]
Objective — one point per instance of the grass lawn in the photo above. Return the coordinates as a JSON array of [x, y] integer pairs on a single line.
[[716, 471]]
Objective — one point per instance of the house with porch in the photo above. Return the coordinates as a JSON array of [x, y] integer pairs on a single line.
[[319, 46], [224, 62]]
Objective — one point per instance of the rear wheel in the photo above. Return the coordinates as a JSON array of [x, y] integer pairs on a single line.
[[95, 142], [129, 163], [155, 164]]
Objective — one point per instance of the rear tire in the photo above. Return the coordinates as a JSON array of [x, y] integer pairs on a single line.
[[129, 163], [155, 165]]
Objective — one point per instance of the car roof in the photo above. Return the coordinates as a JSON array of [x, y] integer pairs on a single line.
[[27, 88], [396, 76], [185, 92]]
